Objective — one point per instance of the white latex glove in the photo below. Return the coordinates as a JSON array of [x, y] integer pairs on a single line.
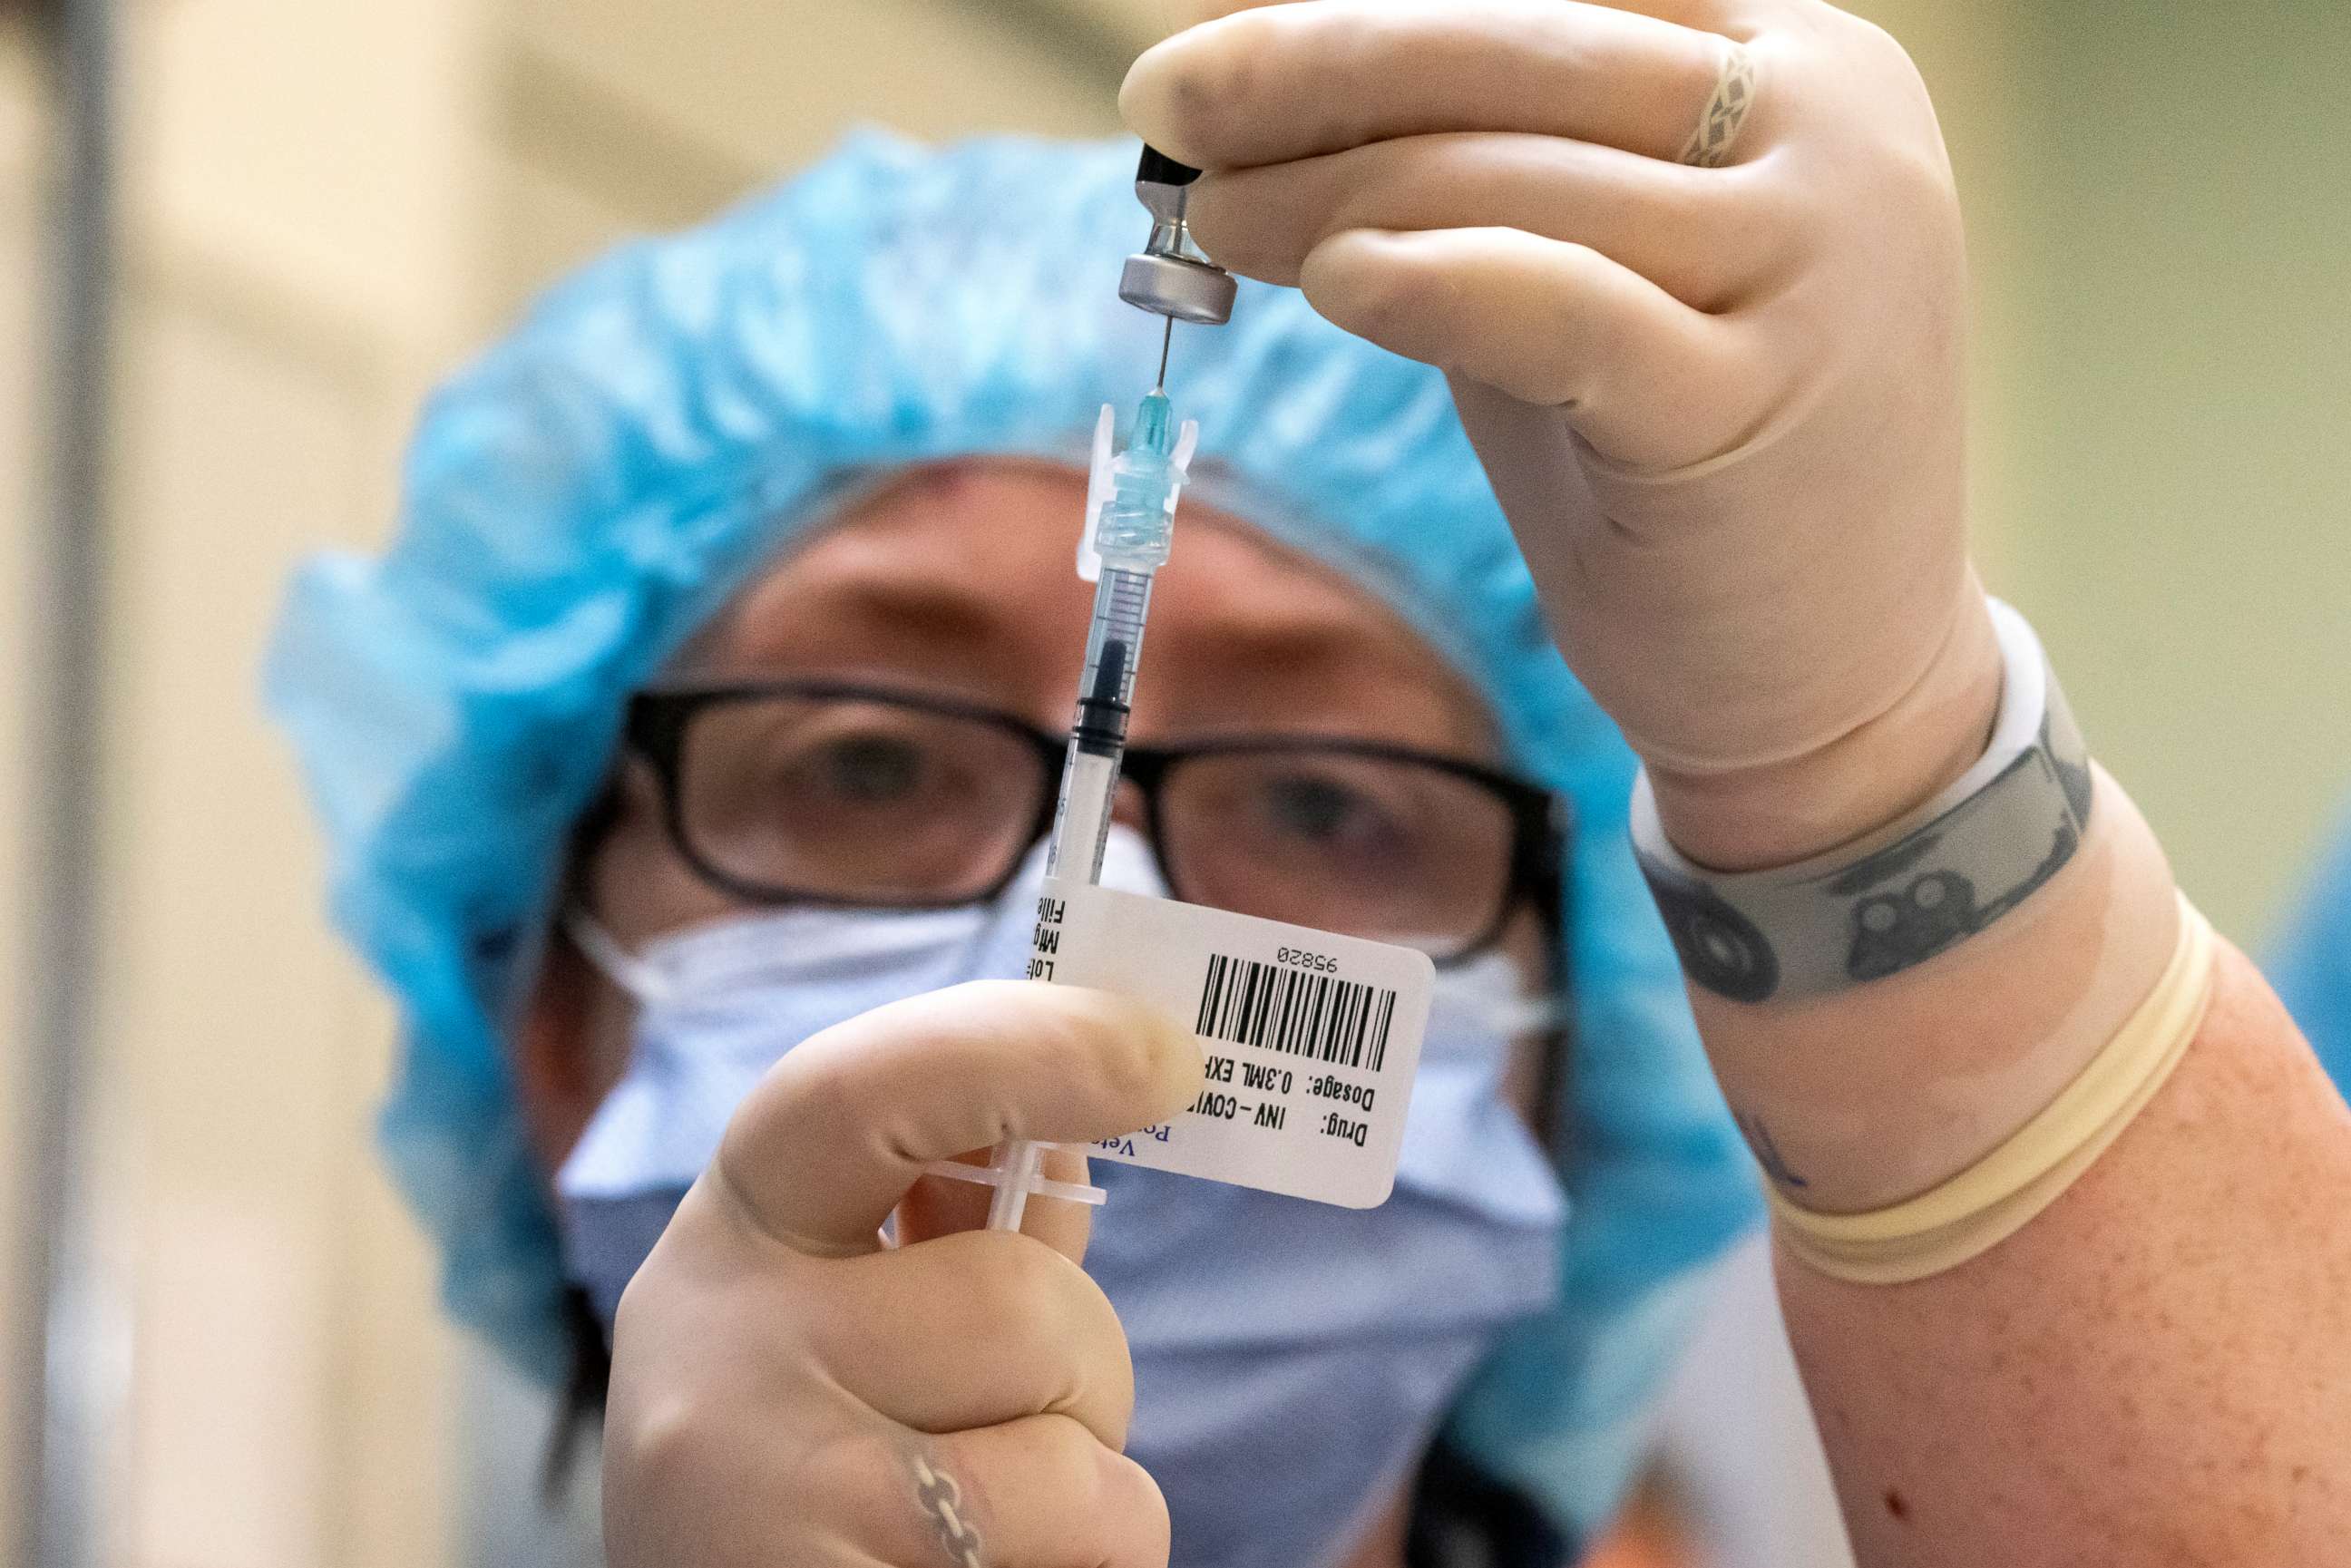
[[787, 1390], [1723, 407]]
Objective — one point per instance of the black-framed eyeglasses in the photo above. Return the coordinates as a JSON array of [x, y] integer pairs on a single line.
[[838, 792]]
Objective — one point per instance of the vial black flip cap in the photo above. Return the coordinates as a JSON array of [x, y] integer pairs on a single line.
[[1158, 169]]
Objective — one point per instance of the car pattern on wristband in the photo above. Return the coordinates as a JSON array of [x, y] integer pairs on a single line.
[[1989, 841]]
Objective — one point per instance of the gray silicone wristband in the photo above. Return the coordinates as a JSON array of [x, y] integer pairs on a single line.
[[1967, 858]]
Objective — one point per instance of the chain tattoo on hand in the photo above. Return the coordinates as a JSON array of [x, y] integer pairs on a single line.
[[1718, 128], [941, 1501]]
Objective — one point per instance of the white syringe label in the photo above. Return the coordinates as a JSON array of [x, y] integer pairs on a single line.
[[1312, 1039]]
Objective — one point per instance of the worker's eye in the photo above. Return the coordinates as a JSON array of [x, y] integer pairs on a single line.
[[1315, 808], [856, 800], [864, 770], [1328, 815]]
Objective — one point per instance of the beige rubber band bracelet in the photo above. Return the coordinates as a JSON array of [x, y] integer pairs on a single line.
[[1999, 1194]]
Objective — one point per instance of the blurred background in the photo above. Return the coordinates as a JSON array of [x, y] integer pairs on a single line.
[[322, 208]]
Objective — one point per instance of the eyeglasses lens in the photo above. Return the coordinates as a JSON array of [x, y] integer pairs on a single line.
[[857, 800], [1367, 846]]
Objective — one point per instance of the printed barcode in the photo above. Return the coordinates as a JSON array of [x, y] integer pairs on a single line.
[[1316, 1016]]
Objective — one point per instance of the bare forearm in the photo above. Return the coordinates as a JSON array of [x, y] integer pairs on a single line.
[[2156, 1369]]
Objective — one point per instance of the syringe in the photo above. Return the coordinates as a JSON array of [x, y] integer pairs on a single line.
[[1131, 513], [1130, 521]]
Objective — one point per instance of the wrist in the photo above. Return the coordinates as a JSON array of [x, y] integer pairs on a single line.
[[1876, 773], [1869, 1096]]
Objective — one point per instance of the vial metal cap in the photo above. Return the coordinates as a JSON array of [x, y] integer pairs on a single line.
[[1175, 285]]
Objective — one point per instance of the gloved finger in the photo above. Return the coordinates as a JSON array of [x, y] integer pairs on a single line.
[[1705, 235], [1033, 1494], [830, 1139], [1739, 19], [1296, 81], [1182, 13], [1715, 15], [1643, 378], [973, 1330], [938, 1205]]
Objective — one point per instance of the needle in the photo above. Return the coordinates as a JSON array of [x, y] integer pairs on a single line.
[[1166, 340]]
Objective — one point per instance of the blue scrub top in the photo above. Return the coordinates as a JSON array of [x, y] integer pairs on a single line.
[[2311, 967]]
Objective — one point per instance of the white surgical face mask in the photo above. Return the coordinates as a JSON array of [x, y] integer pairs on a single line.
[[1291, 1359]]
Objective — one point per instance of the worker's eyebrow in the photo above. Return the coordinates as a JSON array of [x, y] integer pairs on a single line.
[[1248, 671], [1284, 619], [866, 609], [925, 609]]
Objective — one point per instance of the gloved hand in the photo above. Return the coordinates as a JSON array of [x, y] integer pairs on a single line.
[[1722, 406], [787, 1390]]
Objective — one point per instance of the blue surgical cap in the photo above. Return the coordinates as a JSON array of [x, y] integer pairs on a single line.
[[582, 496]]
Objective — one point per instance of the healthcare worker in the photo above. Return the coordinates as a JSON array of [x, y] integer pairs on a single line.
[[801, 492], [653, 756], [796, 492]]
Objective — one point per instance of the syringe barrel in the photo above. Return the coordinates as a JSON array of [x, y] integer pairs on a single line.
[[1114, 646], [1098, 738], [1081, 824]]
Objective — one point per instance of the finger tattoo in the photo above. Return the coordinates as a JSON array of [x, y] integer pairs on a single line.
[[1734, 93], [941, 1501]]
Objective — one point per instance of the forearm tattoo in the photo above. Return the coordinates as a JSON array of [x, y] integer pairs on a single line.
[[1767, 1152], [941, 1501]]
